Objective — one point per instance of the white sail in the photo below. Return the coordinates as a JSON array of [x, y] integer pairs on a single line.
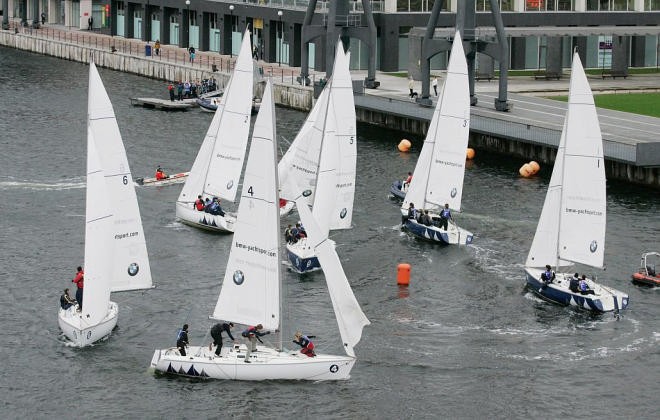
[[417, 188], [448, 163], [251, 288], [545, 242], [99, 251], [350, 318], [326, 195], [298, 167], [342, 109], [217, 169], [130, 268], [583, 215]]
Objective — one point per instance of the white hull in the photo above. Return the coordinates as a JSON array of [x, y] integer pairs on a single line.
[[79, 332], [153, 182], [192, 217], [604, 299], [265, 364]]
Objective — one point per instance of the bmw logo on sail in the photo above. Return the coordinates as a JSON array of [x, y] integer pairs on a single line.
[[593, 246], [133, 269], [238, 277]]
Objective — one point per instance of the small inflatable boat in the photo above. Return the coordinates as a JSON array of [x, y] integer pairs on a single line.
[[647, 274]]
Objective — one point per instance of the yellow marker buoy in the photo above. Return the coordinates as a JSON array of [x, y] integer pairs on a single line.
[[469, 153], [404, 145], [403, 274]]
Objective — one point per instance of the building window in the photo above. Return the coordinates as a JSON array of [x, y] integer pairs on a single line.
[[652, 5], [418, 5], [484, 5], [610, 5], [213, 21], [549, 5]]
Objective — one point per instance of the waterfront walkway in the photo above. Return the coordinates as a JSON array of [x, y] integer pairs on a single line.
[[531, 128]]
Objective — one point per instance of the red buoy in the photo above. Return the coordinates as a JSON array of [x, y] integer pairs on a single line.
[[403, 274]]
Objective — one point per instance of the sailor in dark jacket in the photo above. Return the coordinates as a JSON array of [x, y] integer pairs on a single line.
[[216, 333], [182, 339]]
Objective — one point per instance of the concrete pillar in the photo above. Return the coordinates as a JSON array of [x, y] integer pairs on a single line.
[[5, 14]]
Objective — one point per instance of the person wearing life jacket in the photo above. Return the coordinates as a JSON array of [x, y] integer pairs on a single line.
[[412, 214], [306, 344], [548, 275], [445, 217], [182, 339], [252, 333], [301, 231], [584, 287], [288, 236], [574, 283], [66, 301], [199, 203], [160, 174], [79, 280], [406, 182]]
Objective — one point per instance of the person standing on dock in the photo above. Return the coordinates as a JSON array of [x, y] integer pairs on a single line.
[[90, 23], [191, 51], [157, 48], [170, 88]]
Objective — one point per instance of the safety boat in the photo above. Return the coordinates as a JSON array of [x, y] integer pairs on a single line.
[[647, 273], [217, 169], [397, 190], [172, 179], [440, 169], [116, 256], [571, 228], [332, 163], [251, 290]]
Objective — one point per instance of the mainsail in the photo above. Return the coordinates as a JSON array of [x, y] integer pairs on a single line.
[[250, 291]]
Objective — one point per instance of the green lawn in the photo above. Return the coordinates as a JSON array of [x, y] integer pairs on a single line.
[[637, 103]]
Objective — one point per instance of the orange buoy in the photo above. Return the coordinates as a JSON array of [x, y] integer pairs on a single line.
[[534, 166], [525, 171], [403, 274], [469, 153], [404, 145]]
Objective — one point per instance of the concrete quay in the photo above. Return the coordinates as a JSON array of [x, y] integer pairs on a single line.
[[530, 130]]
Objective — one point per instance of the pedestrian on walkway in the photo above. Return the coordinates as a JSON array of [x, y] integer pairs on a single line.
[[157, 47], [191, 51], [434, 83], [90, 23], [43, 18]]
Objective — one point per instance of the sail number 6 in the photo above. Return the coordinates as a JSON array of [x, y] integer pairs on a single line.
[[125, 180]]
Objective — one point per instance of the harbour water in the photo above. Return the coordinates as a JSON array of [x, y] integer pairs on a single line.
[[464, 340]]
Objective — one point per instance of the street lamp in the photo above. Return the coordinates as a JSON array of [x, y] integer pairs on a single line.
[[188, 22], [279, 55], [231, 30]]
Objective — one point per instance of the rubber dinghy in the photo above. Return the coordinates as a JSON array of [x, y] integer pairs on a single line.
[[251, 289]]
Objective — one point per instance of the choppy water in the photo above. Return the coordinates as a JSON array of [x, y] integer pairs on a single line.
[[465, 340]]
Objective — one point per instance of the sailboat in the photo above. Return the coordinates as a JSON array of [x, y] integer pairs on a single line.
[[219, 162], [331, 168], [440, 169], [251, 290], [571, 228], [116, 256]]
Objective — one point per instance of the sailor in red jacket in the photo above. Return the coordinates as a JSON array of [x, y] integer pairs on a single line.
[[160, 174], [79, 281]]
